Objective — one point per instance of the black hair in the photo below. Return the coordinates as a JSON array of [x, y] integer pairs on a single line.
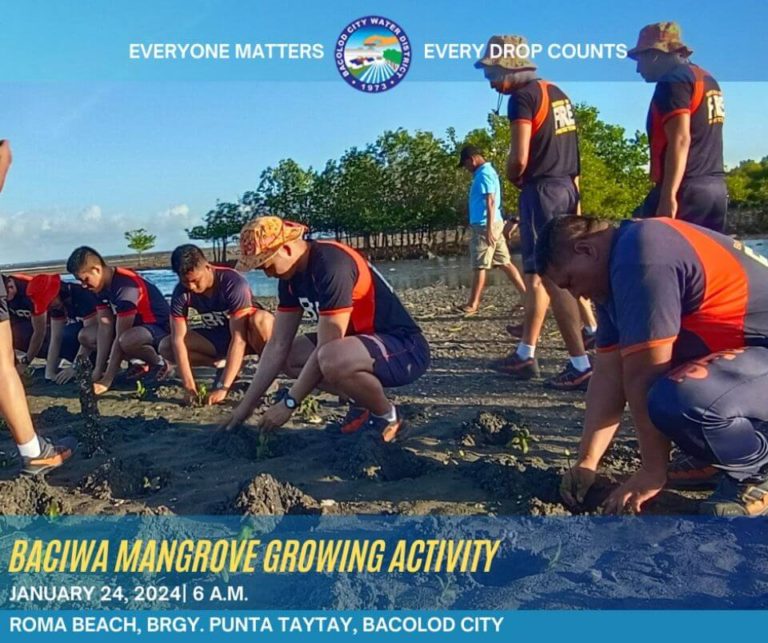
[[554, 244], [185, 258], [81, 257]]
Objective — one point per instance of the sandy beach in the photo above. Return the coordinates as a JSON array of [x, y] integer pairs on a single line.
[[464, 451]]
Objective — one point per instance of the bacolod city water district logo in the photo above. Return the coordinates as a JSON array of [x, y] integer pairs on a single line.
[[373, 54]]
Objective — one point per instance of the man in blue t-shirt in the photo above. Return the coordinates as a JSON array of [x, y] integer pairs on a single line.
[[488, 245], [213, 318], [683, 338]]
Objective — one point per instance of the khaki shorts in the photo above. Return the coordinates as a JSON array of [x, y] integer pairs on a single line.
[[483, 256]]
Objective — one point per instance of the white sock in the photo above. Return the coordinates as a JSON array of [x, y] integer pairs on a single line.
[[391, 416], [30, 449], [581, 363], [591, 330], [525, 351]]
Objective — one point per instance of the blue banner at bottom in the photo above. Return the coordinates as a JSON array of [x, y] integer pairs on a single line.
[[330, 626]]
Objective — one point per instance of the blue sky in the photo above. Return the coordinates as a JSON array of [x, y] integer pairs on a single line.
[[103, 145]]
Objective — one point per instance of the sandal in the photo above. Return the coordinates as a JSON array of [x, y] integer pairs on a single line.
[[467, 310]]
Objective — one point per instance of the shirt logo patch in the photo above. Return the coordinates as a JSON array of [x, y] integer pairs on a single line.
[[311, 308], [565, 121]]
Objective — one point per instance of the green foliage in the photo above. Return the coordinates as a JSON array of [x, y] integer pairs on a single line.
[[141, 390], [140, 241], [748, 184], [202, 394], [393, 56], [408, 182]]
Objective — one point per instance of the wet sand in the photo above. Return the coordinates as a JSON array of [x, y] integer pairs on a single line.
[[463, 452]]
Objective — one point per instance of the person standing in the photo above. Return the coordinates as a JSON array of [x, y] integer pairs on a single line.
[[685, 131], [38, 455], [488, 245], [544, 163]]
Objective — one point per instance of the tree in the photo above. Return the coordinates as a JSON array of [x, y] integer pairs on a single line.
[[140, 241]]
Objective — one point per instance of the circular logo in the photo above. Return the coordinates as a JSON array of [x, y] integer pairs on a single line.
[[373, 54]]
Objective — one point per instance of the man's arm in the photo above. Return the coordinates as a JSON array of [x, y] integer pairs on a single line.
[[270, 364], [179, 331], [490, 209], [6, 158], [641, 370], [605, 402], [39, 326], [577, 183], [678, 134], [123, 324], [54, 348], [238, 329], [519, 145], [105, 335]]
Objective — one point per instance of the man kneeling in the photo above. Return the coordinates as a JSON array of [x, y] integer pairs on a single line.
[[683, 337], [365, 339], [227, 323]]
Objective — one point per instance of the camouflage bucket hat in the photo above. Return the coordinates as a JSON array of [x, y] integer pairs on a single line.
[[263, 237], [504, 52], [661, 36]]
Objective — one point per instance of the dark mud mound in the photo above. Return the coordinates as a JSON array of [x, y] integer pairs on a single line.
[[54, 417], [259, 445], [30, 496], [125, 479], [368, 457], [528, 487], [267, 496], [490, 429]]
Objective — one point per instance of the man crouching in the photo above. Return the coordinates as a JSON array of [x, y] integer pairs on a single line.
[[365, 339]]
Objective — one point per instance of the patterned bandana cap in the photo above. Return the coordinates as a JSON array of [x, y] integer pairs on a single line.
[[661, 36], [42, 290], [263, 237], [506, 52]]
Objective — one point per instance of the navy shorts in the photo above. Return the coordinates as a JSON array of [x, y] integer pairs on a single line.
[[702, 200], [220, 338], [397, 360], [158, 333], [715, 409], [540, 201], [70, 344]]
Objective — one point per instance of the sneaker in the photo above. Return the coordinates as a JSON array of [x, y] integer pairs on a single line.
[[136, 371], [734, 498], [686, 472], [570, 379], [388, 430], [517, 367], [158, 373], [589, 339], [52, 455], [354, 420]]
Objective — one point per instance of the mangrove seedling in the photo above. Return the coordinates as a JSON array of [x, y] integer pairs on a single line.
[[309, 410], [141, 390], [521, 440]]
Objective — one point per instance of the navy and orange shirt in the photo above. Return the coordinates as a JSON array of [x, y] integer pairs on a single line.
[[230, 296], [77, 304], [678, 283], [338, 279], [131, 294], [554, 149], [688, 89], [21, 307]]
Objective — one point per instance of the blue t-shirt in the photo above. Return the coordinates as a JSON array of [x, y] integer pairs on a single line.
[[484, 181]]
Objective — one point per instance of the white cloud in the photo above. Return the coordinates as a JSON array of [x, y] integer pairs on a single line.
[[30, 236]]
